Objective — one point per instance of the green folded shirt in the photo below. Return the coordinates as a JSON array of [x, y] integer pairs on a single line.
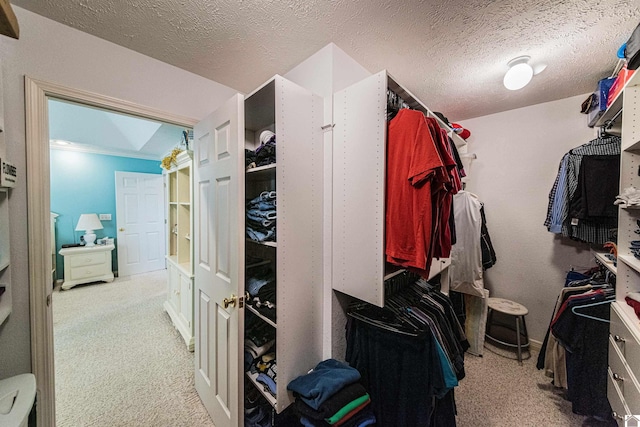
[[347, 408]]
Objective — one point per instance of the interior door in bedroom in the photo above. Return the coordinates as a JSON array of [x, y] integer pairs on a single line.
[[140, 222], [219, 277]]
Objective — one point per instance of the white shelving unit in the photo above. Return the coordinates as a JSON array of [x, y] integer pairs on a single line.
[[601, 256], [295, 115], [359, 159], [179, 195], [624, 341], [5, 256]]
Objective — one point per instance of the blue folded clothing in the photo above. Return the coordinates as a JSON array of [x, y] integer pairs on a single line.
[[268, 381], [327, 378]]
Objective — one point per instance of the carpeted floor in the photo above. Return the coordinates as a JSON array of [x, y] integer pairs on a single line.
[[119, 361], [498, 392]]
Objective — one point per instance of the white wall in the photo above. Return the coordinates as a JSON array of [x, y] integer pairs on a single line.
[[518, 156], [53, 52]]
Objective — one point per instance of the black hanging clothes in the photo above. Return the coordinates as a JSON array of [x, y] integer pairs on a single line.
[[410, 355]]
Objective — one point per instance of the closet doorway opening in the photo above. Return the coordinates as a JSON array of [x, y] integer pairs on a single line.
[[39, 98]]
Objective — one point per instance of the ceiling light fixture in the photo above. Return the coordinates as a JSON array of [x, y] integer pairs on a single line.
[[519, 74]]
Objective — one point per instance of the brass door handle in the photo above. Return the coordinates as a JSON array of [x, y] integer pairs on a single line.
[[120, 229], [230, 301]]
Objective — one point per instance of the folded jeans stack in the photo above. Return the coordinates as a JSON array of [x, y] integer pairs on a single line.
[[261, 217], [330, 395]]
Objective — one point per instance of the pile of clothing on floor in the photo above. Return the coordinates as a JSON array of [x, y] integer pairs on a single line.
[[261, 285], [261, 217], [259, 352], [265, 154], [331, 395]]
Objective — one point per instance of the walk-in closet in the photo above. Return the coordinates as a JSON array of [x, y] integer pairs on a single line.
[[386, 214]]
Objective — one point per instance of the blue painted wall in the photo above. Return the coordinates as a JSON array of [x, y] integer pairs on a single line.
[[86, 183]]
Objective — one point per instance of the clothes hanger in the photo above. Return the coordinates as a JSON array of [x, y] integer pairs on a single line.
[[606, 301]]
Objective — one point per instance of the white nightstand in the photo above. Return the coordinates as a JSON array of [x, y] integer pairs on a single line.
[[87, 264]]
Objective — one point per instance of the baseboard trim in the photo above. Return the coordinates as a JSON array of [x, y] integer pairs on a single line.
[[535, 345]]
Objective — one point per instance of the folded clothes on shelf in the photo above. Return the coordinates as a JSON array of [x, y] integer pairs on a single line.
[[265, 154], [261, 217], [630, 196]]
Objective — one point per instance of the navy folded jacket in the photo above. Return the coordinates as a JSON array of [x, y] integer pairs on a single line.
[[327, 378], [333, 404]]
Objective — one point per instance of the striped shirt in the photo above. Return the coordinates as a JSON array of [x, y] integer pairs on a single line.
[[564, 189]]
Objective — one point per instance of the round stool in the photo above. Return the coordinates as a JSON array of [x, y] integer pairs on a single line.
[[515, 310]]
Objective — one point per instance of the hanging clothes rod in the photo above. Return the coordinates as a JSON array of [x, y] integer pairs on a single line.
[[609, 124], [469, 155]]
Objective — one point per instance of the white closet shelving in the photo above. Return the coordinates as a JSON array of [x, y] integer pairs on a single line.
[[179, 194], [623, 387], [295, 115], [5, 256], [359, 159]]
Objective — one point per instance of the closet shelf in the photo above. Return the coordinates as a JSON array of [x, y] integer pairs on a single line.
[[633, 147], [185, 204], [616, 105], [600, 256], [258, 264], [254, 379], [4, 263], [261, 168], [271, 244], [264, 318], [631, 261]]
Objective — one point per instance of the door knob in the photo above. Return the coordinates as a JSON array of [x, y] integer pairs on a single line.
[[121, 229], [230, 301]]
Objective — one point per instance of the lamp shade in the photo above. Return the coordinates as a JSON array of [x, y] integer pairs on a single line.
[[89, 222]]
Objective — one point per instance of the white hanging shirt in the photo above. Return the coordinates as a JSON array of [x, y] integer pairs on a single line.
[[466, 254]]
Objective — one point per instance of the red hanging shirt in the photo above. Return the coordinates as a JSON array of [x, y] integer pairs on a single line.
[[412, 162]]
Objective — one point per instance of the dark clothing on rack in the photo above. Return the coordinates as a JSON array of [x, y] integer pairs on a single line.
[[401, 373], [567, 186], [410, 354], [586, 341], [488, 253], [598, 183]]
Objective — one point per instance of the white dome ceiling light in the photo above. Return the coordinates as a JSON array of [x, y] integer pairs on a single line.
[[520, 73]]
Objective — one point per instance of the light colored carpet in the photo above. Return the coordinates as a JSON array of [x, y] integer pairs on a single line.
[[498, 392], [119, 361]]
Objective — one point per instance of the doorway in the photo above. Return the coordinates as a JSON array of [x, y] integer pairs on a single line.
[[37, 94]]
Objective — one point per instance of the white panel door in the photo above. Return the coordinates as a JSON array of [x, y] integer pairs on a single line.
[[140, 222], [219, 245]]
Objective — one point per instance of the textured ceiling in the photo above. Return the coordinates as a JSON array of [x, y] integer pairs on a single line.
[[450, 54]]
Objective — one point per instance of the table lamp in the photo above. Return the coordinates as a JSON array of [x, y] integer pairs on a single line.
[[88, 223]]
